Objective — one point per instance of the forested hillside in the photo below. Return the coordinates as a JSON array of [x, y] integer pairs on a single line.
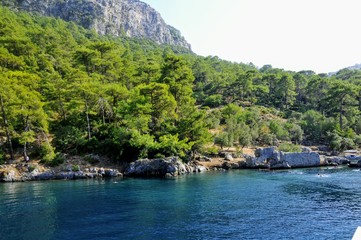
[[66, 90]]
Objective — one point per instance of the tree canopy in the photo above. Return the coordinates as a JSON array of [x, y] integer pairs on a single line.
[[66, 89]]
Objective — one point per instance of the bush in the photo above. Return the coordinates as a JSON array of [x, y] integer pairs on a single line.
[[58, 159], [289, 147], [159, 155], [278, 130], [340, 143], [213, 150], [46, 153], [213, 101], [357, 140], [75, 168], [2, 157]]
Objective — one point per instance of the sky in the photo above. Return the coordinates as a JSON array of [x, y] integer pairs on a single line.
[[319, 35]]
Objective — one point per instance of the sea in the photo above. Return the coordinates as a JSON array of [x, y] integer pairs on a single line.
[[317, 203]]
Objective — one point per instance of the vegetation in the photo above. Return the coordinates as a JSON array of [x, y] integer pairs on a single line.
[[289, 147], [65, 89]]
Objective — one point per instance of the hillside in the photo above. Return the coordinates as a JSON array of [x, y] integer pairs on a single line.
[[68, 90], [132, 18]]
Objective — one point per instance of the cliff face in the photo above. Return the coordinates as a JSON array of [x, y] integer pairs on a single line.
[[115, 17]]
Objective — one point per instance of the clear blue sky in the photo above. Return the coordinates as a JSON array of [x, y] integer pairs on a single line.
[[319, 35]]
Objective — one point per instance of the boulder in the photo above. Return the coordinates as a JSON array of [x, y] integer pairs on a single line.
[[336, 160], [45, 176], [202, 158], [200, 169], [226, 165], [228, 157], [273, 159], [158, 168], [306, 149], [101, 171], [64, 175], [112, 173], [8, 176], [296, 160]]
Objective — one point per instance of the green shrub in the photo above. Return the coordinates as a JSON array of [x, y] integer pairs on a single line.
[[159, 155], [213, 150], [57, 160], [46, 153], [289, 147], [2, 157], [357, 140], [213, 100], [75, 168]]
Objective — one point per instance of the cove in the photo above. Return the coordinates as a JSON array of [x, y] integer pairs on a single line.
[[319, 203]]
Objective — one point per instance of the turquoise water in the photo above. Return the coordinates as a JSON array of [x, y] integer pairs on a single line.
[[297, 204]]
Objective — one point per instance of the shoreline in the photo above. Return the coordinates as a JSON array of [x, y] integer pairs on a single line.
[[164, 168]]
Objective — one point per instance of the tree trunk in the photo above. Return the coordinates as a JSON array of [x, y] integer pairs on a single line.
[[7, 130], [25, 147], [87, 119], [63, 114]]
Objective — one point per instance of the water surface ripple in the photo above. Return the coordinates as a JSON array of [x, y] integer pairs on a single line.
[[297, 204]]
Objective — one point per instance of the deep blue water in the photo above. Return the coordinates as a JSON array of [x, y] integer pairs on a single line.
[[297, 204]]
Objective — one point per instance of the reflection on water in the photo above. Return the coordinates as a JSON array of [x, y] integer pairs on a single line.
[[27, 210], [297, 204]]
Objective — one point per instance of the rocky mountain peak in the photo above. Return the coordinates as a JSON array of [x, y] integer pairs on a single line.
[[115, 17]]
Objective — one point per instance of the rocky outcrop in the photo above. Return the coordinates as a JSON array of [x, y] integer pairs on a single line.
[[273, 159], [25, 172], [164, 167], [132, 18], [337, 160]]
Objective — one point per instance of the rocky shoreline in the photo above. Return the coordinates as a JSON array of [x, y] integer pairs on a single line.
[[264, 158], [23, 172]]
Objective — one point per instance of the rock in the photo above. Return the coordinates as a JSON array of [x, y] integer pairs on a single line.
[[323, 148], [45, 176], [271, 158], [113, 17], [226, 165], [242, 164], [64, 175], [302, 159], [201, 169], [235, 165], [263, 158], [202, 158], [355, 164], [161, 168], [228, 157], [101, 171], [222, 154], [306, 149], [68, 168], [336, 160], [112, 173], [353, 158], [8, 176], [79, 175]]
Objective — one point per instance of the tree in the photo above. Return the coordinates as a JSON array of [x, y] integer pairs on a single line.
[[285, 91], [178, 76], [28, 110], [342, 97]]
